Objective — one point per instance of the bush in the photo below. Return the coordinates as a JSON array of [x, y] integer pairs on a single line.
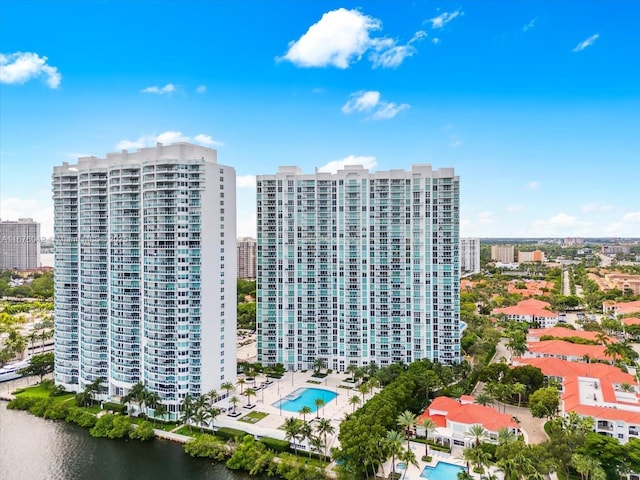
[[115, 407], [426, 458], [41, 406], [227, 433], [22, 403], [56, 411], [80, 417], [111, 426], [143, 432], [207, 446], [276, 445]]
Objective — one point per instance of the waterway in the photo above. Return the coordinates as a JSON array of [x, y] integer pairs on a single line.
[[32, 448]]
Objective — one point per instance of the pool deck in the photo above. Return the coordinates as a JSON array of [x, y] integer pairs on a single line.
[[413, 472], [334, 410]]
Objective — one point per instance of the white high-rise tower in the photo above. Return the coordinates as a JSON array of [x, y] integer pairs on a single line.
[[145, 261], [356, 267]]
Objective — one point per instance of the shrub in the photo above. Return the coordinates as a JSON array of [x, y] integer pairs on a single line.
[[426, 458], [56, 411], [22, 403], [41, 406], [227, 433], [207, 446], [276, 445], [115, 407], [111, 426], [80, 417], [143, 432]]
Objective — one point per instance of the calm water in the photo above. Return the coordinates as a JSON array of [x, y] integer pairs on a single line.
[[305, 397], [32, 448]]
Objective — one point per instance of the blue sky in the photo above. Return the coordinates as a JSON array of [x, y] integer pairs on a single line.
[[535, 104]]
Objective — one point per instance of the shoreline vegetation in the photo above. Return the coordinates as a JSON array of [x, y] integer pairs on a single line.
[[238, 449]]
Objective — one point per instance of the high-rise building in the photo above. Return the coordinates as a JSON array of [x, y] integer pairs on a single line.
[[19, 244], [145, 263], [502, 253], [247, 259], [469, 256], [358, 267]]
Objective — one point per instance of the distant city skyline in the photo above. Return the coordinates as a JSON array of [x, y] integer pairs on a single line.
[[535, 104]]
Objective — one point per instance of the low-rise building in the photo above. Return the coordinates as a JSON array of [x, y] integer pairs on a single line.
[[536, 334], [454, 418], [573, 352], [530, 310], [535, 256], [621, 308]]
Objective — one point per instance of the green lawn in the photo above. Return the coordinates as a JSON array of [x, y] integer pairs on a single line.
[[195, 431], [253, 417], [39, 391], [302, 455]]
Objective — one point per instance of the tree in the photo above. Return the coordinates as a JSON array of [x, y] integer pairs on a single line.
[[228, 387], [477, 434], [484, 398], [544, 402], [201, 416], [324, 428], [394, 447], [136, 394], [429, 426], [319, 364], [292, 431], [319, 403], [249, 392], [519, 389], [40, 365], [409, 458], [188, 410], [407, 421], [242, 382], [212, 396], [354, 400], [234, 401], [161, 411], [304, 411], [364, 388]]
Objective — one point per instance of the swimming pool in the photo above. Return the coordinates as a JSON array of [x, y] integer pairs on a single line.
[[442, 471], [304, 397]]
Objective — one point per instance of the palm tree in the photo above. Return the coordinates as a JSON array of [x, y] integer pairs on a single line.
[[394, 447], [319, 403], [213, 413], [304, 411], [212, 396], [188, 410], [506, 436], [151, 400], [409, 458], [519, 389], [429, 426], [44, 336], [292, 429], [249, 392], [201, 416], [354, 400], [478, 434], [234, 401], [324, 428], [161, 411], [306, 433], [464, 475], [137, 394], [602, 338], [407, 421], [242, 382], [319, 364], [364, 388], [228, 387], [484, 399]]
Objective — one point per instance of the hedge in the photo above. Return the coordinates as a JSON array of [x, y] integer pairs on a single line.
[[276, 445], [227, 433], [115, 407]]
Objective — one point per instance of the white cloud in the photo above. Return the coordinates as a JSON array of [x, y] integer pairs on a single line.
[[456, 141], [166, 138], [318, 90], [485, 218], [369, 102], [332, 167], [632, 217], [435, 40], [342, 37], [168, 88], [529, 25], [246, 181], [20, 67], [38, 206], [444, 18], [201, 89], [361, 102], [594, 207], [586, 43], [561, 223], [388, 110], [387, 54], [532, 185], [514, 208], [206, 140]]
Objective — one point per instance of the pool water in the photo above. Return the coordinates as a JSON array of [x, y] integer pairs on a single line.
[[442, 471], [401, 466], [304, 397]]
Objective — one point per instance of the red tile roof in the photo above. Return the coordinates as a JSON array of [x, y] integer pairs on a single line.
[[555, 367], [530, 307], [623, 307], [631, 321], [562, 332], [568, 349], [469, 414]]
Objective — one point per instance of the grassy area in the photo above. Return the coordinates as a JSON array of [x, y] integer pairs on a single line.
[[305, 456], [253, 417], [39, 391], [194, 433], [314, 382]]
